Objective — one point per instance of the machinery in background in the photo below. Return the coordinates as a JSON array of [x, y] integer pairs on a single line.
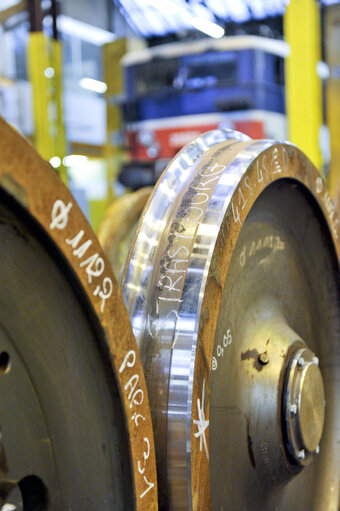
[[177, 91]]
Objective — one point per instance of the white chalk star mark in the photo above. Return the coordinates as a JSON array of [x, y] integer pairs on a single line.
[[202, 424]]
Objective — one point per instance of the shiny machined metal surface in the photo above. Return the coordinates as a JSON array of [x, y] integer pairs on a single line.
[[75, 424], [233, 270]]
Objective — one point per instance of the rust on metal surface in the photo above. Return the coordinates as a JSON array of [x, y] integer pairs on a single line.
[[291, 164], [36, 187]]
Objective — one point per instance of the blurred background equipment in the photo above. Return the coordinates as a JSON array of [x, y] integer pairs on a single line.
[[124, 84], [233, 82], [45, 74]]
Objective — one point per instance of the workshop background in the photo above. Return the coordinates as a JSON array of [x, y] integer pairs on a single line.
[[108, 91], [169, 255]]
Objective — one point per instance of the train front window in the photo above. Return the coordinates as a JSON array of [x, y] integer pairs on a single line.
[[154, 76], [211, 70]]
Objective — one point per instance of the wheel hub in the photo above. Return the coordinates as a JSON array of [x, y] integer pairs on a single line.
[[282, 394], [303, 406]]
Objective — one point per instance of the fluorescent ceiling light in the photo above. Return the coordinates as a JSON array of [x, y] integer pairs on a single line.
[[178, 14], [167, 6], [93, 85], [208, 27], [84, 31], [73, 160]]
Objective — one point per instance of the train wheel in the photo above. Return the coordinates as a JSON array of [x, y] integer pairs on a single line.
[[232, 286], [119, 224], [75, 422]]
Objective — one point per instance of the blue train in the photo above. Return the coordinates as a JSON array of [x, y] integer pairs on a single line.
[[176, 91]]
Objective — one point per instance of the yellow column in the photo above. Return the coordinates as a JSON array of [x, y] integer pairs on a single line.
[[333, 95], [44, 69], [113, 75], [60, 138], [303, 86]]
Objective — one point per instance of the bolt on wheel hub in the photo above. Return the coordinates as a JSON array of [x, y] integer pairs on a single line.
[[303, 406]]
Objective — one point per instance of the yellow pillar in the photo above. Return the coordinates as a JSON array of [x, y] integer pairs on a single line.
[[113, 75], [44, 69], [302, 30], [60, 140], [332, 26]]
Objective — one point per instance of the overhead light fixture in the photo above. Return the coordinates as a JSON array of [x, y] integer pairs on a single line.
[[93, 85], [74, 160], [167, 6], [84, 31], [208, 27]]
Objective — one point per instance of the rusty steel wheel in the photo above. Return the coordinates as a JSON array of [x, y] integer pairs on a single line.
[[232, 286], [119, 224], [75, 420]]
